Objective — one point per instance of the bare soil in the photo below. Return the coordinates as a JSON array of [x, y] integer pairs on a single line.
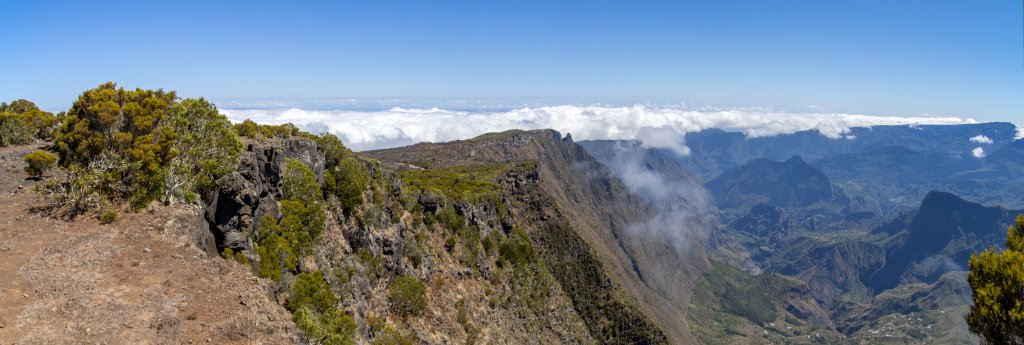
[[140, 280]]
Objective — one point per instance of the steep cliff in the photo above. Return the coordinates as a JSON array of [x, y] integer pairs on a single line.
[[628, 282]]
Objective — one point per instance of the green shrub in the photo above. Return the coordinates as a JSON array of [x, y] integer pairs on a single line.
[[314, 310], [21, 122], [334, 150], [39, 162], [276, 256], [413, 249], [298, 182], [311, 290], [450, 219], [470, 239], [14, 130], [286, 130], [122, 134], [248, 129], [279, 243], [517, 249], [492, 243], [238, 257], [108, 216], [207, 147], [346, 180], [330, 328], [407, 296]]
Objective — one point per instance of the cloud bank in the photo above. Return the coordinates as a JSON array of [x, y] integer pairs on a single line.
[[655, 127]]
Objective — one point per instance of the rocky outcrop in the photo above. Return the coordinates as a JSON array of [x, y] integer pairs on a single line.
[[243, 196]]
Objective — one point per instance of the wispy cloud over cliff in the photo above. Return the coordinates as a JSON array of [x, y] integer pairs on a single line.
[[655, 127]]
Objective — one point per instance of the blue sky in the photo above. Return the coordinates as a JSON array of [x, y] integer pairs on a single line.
[[951, 58]]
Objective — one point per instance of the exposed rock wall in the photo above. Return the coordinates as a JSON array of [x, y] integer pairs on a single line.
[[245, 195]]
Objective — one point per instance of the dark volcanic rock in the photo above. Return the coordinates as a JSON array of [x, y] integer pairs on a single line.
[[245, 195]]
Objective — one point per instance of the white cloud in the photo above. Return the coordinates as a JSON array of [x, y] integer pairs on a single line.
[[981, 139], [978, 152], [655, 127], [1020, 133]]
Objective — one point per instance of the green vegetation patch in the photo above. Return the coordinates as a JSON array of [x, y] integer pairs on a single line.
[[39, 162], [21, 122], [314, 311], [470, 183], [407, 296]]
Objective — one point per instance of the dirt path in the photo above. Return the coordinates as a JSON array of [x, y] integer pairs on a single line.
[[139, 280]]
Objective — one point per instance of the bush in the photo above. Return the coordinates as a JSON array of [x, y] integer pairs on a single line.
[[517, 249], [247, 128], [311, 290], [407, 296], [21, 122], [207, 149], [14, 130], [299, 182], [39, 162], [127, 132], [470, 239], [334, 150], [347, 180], [108, 216], [314, 311], [276, 256], [238, 257], [413, 249]]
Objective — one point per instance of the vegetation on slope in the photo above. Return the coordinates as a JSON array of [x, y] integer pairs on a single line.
[[471, 183]]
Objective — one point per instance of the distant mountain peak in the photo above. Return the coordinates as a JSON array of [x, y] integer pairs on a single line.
[[792, 183], [946, 226]]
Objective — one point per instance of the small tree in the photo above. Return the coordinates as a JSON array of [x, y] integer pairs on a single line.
[[408, 296], [39, 162], [997, 283]]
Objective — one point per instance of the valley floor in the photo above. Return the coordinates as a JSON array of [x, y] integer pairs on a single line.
[[139, 280]]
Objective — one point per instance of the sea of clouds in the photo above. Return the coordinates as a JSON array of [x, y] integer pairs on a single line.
[[653, 126]]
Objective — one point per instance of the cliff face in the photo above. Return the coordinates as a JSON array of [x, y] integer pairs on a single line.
[[472, 293], [245, 195], [593, 231]]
